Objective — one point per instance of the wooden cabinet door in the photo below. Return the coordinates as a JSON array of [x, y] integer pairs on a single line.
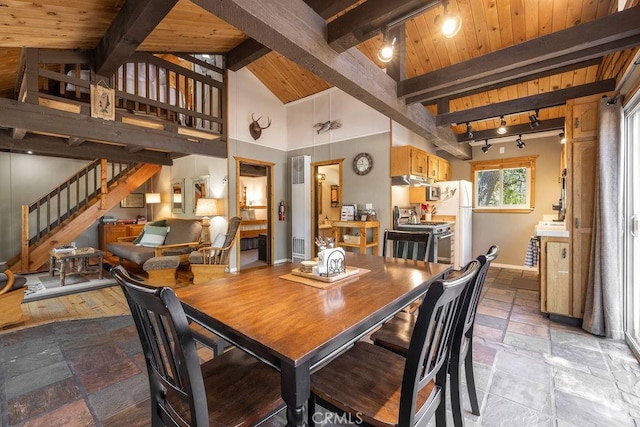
[[584, 120], [444, 170], [432, 167], [583, 160], [418, 162], [557, 278]]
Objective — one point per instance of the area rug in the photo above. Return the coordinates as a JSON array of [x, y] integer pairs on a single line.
[[42, 286]]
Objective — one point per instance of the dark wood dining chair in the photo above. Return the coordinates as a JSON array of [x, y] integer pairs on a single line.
[[382, 388], [231, 389], [395, 335], [407, 245]]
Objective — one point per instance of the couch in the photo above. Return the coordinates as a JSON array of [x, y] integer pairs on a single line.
[[182, 237], [12, 289]]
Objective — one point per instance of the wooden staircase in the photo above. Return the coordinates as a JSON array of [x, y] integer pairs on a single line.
[[35, 250]]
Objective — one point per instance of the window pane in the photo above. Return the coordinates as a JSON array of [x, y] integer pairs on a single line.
[[515, 186], [488, 188]]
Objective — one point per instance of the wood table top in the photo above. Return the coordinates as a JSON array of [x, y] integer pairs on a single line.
[[293, 321]]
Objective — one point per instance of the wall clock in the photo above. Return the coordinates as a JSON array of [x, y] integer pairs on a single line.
[[362, 163]]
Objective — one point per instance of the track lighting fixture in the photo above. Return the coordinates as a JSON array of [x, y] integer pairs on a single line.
[[469, 133], [563, 139], [385, 54], [486, 146], [503, 126], [449, 24], [535, 121], [519, 142]]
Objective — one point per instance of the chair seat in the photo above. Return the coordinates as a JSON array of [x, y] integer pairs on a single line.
[[374, 378], [395, 335], [241, 390]]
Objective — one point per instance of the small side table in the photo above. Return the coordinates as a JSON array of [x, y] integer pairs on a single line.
[[75, 262]]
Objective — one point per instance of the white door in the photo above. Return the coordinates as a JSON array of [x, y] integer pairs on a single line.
[[631, 267]]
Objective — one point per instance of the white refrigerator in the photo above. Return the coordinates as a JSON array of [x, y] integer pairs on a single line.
[[456, 198]]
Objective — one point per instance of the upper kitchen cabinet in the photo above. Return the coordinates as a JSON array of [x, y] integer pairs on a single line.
[[408, 160], [444, 170], [582, 118], [432, 167]]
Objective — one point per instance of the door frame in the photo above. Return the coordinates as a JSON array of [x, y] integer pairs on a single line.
[[314, 199], [270, 204]]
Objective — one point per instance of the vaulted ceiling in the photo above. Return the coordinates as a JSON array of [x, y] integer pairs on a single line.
[[510, 57]]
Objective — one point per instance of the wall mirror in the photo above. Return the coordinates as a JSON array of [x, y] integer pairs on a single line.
[[177, 196], [200, 189]]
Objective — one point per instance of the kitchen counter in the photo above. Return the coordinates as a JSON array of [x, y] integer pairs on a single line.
[[552, 229]]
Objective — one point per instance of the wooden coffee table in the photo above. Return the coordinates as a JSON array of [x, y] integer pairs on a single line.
[[75, 262]]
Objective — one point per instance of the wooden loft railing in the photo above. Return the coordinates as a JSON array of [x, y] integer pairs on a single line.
[[147, 86]]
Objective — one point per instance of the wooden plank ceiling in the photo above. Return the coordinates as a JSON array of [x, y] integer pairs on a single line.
[[488, 26]]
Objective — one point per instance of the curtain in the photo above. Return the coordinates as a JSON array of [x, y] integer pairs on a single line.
[[603, 308]]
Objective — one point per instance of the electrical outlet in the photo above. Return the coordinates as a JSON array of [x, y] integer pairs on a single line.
[[501, 150]]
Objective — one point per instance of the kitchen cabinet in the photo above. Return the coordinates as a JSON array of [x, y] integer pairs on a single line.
[[444, 170], [581, 129], [109, 233], [365, 239], [556, 293], [432, 167], [408, 160]]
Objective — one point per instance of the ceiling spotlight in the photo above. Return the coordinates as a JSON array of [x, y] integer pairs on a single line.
[[486, 146], [449, 24], [385, 54], [503, 126], [469, 133], [519, 142], [563, 139], [535, 122]]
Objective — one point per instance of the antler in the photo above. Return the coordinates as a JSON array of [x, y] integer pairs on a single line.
[[268, 124], [254, 120]]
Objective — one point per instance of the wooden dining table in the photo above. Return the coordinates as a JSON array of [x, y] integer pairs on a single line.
[[295, 327]]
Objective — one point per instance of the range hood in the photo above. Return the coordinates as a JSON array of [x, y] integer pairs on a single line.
[[410, 180]]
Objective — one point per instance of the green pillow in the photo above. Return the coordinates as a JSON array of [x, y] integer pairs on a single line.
[[153, 236], [158, 223]]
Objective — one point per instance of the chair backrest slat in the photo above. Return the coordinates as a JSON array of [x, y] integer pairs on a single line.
[[406, 244]]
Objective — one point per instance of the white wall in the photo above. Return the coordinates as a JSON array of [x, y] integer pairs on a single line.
[[247, 95], [400, 135], [357, 119]]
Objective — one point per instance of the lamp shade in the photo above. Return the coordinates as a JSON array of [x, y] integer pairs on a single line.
[[152, 198], [207, 207]]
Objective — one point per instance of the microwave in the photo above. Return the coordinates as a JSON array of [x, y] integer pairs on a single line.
[[432, 193]]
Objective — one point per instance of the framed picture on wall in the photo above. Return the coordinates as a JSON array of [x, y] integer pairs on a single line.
[[133, 200]]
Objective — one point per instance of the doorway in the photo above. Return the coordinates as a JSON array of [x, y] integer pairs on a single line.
[[327, 197], [254, 204]]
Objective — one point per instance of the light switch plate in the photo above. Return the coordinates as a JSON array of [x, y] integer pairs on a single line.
[[501, 150]]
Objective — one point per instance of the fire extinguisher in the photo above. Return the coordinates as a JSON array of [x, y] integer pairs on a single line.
[[281, 211]]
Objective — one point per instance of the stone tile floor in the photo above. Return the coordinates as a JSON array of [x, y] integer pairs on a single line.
[[530, 371]]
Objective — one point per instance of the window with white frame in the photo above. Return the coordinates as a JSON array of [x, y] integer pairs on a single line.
[[504, 185]]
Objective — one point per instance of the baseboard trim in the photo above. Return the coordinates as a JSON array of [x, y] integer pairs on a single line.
[[515, 267]]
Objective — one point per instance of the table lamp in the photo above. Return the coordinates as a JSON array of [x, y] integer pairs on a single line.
[[207, 208], [152, 199]]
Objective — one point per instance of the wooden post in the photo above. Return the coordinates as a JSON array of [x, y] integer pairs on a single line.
[[103, 184], [24, 243]]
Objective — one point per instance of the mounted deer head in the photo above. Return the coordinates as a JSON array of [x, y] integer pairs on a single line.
[[255, 129]]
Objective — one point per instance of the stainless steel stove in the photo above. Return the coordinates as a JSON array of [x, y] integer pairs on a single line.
[[440, 250]]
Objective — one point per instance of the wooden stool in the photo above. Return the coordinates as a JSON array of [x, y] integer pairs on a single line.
[[162, 270]]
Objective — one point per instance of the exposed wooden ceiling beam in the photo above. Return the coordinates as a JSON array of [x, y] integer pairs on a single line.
[[577, 41], [245, 53], [368, 19], [494, 82], [528, 103], [297, 32], [135, 21], [523, 129], [250, 50], [35, 118], [52, 146]]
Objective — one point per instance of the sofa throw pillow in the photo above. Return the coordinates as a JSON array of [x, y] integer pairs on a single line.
[[153, 236], [158, 223]]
